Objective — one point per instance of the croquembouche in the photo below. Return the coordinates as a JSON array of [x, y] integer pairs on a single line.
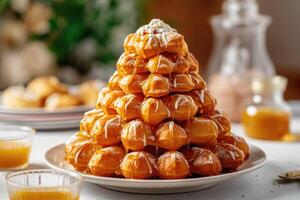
[[155, 118]]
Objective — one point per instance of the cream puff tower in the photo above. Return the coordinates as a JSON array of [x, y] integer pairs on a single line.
[[155, 118]]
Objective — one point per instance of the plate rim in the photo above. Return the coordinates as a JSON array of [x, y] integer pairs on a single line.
[[43, 111], [162, 182]]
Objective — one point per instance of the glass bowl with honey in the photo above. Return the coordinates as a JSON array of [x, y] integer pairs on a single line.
[[15, 147], [44, 184], [268, 115]]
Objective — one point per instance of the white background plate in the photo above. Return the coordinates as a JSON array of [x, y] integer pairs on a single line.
[[54, 158]]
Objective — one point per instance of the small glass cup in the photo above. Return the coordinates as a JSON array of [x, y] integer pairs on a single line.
[[44, 184], [15, 147]]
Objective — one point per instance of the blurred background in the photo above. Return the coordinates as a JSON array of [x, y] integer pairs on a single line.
[[80, 39]]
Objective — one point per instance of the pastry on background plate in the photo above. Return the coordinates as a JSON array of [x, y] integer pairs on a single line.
[[18, 97], [44, 86], [88, 91], [60, 100]]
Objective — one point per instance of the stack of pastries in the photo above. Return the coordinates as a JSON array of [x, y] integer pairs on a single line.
[[155, 118]]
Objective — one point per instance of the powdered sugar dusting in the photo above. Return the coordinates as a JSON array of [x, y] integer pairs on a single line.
[[156, 26]]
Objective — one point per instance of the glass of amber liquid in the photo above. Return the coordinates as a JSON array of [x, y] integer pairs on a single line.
[[15, 147], [44, 184], [268, 115]]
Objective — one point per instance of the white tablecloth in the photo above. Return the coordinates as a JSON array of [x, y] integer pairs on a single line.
[[261, 184]]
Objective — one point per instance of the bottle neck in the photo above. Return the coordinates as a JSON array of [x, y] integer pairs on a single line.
[[275, 96]]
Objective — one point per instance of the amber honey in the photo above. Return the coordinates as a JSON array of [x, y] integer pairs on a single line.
[[14, 154], [266, 123], [43, 194]]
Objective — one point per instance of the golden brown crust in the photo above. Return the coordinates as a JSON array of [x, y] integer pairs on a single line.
[[128, 106], [79, 151], [61, 100], [223, 123], [154, 111], [230, 156], [165, 64], [88, 91], [172, 165], [181, 83], [202, 161], [107, 99], [157, 85], [106, 161], [139, 165], [132, 84], [18, 97], [170, 136], [107, 130], [201, 130], [237, 141], [46, 85], [149, 44], [89, 118], [136, 135], [131, 63], [182, 107], [204, 100]]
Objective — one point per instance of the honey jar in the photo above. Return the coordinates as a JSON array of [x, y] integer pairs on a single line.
[[15, 147], [267, 116]]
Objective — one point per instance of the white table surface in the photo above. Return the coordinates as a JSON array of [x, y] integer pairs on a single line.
[[260, 184]]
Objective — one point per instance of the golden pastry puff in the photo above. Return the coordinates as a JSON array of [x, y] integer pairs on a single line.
[[106, 161], [138, 165], [89, 119], [205, 102], [61, 100], [107, 98], [170, 136], [172, 165], [136, 135], [238, 142], [156, 85], [132, 84], [153, 40], [107, 130], [230, 156], [180, 64], [193, 63], [201, 130], [46, 85], [79, 151], [113, 82], [153, 111], [198, 81], [160, 64], [181, 83], [131, 63], [128, 106], [168, 63], [202, 161], [223, 123], [182, 107], [88, 91], [18, 97]]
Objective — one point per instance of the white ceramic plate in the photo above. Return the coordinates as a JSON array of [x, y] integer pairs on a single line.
[[54, 158], [42, 111], [55, 125]]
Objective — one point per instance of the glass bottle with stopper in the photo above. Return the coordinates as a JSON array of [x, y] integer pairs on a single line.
[[239, 54]]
